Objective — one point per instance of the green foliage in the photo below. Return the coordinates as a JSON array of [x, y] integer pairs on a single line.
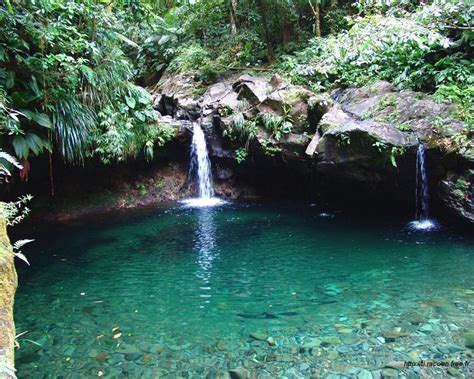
[[241, 154], [63, 68], [189, 57], [421, 50], [278, 125], [269, 148], [130, 130], [462, 96], [242, 129], [68, 68]]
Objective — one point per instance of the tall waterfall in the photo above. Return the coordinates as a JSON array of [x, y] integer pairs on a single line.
[[422, 194], [422, 221], [200, 170], [200, 163]]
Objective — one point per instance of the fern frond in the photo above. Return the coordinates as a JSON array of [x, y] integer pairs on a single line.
[[20, 243]]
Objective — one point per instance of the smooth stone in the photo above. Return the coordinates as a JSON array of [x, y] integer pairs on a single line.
[[116, 359], [303, 367], [416, 320], [364, 374], [454, 372], [469, 339], [333, 355], [157, 349], [284, 358], [315, 351], [69, 350], [332, 340], [392, 336], [311, 342], [112, 372], [414, 355], [389, 373], [349, 340], [239, 373], [271, 341], [132, 356], [93, 353], [345, 331], [426, 328], [101, 357], [127, 349], [221, 345], [353, 371], [144, 346], [394, 365], [454, 348], [259, 336], [293, 373]]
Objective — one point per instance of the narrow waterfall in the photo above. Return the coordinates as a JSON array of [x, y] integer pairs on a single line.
[[200, 163], [422, 194], [200, 171], [422, 222]]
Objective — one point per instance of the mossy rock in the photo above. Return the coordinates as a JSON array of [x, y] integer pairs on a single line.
[[8, 285]]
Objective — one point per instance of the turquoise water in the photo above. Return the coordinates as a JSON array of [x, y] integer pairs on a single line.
[[177, 292]]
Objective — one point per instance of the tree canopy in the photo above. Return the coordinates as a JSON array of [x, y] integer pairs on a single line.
[[72, 73]]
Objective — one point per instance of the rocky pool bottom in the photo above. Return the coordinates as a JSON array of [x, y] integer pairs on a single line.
[[245, 291]]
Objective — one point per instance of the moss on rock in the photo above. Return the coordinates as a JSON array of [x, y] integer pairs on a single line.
[[8, 285]]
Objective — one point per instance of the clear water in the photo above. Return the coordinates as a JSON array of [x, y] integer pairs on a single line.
[[176, 292]]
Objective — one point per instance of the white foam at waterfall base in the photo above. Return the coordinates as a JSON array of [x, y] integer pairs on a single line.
[[423, 225], [201, 202], [201, 164]]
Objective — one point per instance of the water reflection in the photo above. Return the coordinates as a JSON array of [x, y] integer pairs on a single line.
[[205, 243]]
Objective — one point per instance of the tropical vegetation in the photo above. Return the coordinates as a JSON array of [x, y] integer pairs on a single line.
[[73, 74]]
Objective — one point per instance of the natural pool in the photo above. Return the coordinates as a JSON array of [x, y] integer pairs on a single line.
[[270, 291]]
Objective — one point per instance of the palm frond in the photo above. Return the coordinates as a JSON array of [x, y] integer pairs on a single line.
[[72, 122]]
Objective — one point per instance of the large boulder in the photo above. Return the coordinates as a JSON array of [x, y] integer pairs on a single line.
[[369, 129], [177, 96], [409, 111], [355, 149], [257, 97]]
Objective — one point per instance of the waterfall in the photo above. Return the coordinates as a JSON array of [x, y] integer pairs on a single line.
[[200, 170], [200, 163], [422, 221], [422, 195]]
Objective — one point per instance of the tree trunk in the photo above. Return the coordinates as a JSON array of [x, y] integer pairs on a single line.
[[233, 12], [317, 21], [263, 13], [282, 9]]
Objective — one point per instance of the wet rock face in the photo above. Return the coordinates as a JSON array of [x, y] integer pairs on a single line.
[[8, 285], [456, 193], [367, 136], [371, 130]]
